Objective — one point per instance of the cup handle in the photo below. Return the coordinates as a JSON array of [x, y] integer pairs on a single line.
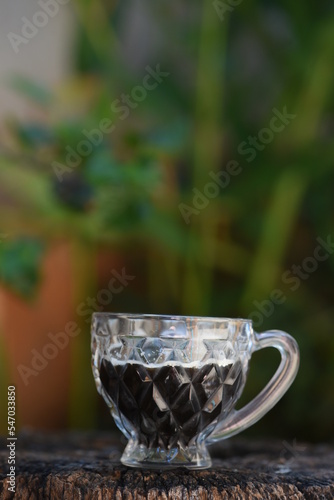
[[239, 420]]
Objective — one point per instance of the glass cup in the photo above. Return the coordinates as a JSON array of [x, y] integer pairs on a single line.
[[172, 382]]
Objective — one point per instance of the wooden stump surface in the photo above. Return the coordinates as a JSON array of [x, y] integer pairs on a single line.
[[86, 466]]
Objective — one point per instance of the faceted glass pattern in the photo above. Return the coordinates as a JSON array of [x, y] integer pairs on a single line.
[[169, 381]]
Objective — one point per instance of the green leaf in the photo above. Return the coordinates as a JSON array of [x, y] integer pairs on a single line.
[[171, 138], [34, 134], [102, 168], [20, 261], [142, 175], [32, 90], [69, 133]]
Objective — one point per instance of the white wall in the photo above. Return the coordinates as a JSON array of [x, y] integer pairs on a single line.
[[46, 57]]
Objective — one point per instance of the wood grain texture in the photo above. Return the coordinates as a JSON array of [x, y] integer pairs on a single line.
[[86, 466]]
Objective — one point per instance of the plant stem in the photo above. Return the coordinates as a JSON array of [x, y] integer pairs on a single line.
[[278, 224], [82, 407], [207, 156]]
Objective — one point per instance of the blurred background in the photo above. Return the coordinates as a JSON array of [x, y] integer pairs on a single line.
[[166, 157]]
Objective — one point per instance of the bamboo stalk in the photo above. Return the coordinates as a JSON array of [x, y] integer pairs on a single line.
[[278, 224], [197, 288], [82, 405], [289, 191]]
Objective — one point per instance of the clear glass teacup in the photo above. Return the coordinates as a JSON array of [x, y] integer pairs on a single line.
[[172, 382]]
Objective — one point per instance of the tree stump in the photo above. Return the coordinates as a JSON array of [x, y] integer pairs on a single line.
[[86, 466]]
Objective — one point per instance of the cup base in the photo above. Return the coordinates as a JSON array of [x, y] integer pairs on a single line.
[[192, 457]]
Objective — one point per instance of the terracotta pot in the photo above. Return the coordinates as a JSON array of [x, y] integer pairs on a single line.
[[42, 387]]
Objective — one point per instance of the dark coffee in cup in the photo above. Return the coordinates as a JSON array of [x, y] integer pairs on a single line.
[[172, 382], [170, 403]]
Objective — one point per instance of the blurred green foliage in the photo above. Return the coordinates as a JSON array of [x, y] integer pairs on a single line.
[[20, 265], [225, 78]]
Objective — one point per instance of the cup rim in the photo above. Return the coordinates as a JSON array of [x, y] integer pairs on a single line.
[[171, 317]]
